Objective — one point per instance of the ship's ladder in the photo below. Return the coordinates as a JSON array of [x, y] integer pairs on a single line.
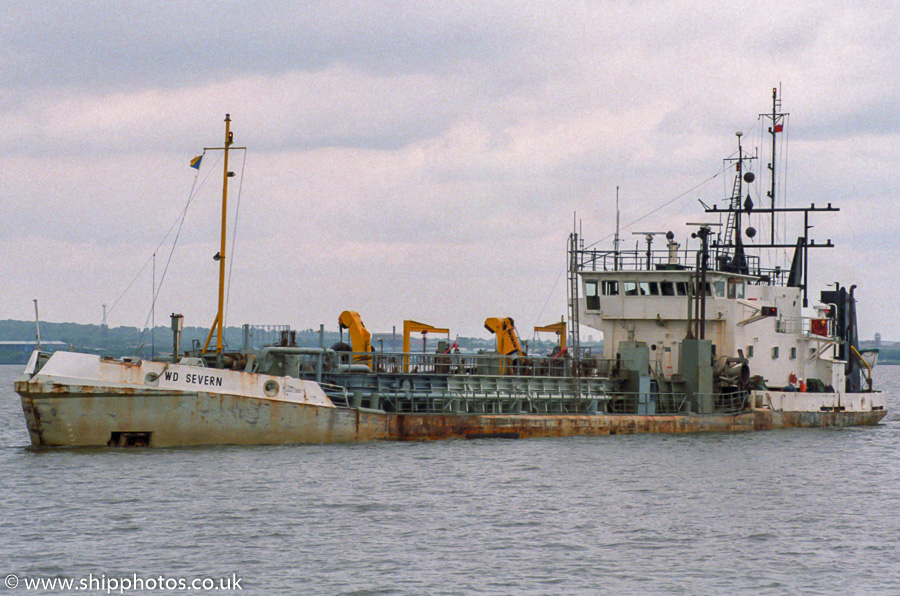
[[732, 214]]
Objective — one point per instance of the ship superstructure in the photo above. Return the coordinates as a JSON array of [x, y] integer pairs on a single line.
[[761, 331]]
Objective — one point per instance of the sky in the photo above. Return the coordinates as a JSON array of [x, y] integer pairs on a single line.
[[422, 160]]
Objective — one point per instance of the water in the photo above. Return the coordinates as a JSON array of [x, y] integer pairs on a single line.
[[798, 511]]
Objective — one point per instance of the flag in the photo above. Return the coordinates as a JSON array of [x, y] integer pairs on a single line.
[[779, 127], [195, 163]]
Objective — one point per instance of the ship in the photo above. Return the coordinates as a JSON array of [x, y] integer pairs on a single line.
[[703, 340]]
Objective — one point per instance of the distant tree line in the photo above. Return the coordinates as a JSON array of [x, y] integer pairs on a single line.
[[888, 355], [132, 341]]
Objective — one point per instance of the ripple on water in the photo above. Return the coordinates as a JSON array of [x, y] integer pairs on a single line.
[[804, 511]]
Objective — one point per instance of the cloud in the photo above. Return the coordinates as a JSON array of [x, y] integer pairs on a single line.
[[413, 160], [108, 45]]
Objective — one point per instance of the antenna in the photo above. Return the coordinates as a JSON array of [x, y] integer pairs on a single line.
[[616, 241], [37, 323], [153, 312]]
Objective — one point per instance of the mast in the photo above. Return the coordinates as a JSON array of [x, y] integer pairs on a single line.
[[218, 324], [736, 261], [777, 127], [572, 294], [738, 181]]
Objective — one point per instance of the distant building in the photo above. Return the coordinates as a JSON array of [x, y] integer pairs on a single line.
[[877, 340]]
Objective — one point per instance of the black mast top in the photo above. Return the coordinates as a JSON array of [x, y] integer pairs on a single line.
[[777, 126]]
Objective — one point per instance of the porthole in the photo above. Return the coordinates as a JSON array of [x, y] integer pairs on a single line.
[[271, 388]]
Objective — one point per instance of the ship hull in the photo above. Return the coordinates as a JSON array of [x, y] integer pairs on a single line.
[[82, 418], [100, 418], [79, 400], [419, 427]]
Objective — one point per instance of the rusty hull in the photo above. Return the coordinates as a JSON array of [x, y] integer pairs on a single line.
[[66, 415], [87, 416], [417, 427]]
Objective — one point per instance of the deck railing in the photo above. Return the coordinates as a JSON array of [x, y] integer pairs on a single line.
[[806, 326], [471, 364], [637, 260], [731, 403]]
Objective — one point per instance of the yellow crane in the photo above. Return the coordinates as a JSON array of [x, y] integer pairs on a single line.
[[560, 330], [507, 338], [360, 338], [410, 327]]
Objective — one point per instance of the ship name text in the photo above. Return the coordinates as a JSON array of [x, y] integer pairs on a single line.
[[194, 379]]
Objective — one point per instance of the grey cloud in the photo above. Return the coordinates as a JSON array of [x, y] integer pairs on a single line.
[[115, 44]]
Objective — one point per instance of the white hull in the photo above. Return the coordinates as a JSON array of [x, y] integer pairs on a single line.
[[80, 400]]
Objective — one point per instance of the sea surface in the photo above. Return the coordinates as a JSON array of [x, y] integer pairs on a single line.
[[782, 512]]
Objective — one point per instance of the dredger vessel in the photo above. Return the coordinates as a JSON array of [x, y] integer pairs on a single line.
[[709, 339]]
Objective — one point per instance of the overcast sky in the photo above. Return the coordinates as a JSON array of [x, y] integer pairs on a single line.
[[417, 160]]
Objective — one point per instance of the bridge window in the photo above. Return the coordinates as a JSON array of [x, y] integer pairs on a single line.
[[631, 288], [649, 288], [681, 287], [735, 289], [667, 288], [591, 299], [708, 287], [720, 289], [610, 288]]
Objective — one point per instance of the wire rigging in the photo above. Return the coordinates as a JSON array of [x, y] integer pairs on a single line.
[[547, 301], [179, 221], [237, 211], [666, 204], [194, 190]]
